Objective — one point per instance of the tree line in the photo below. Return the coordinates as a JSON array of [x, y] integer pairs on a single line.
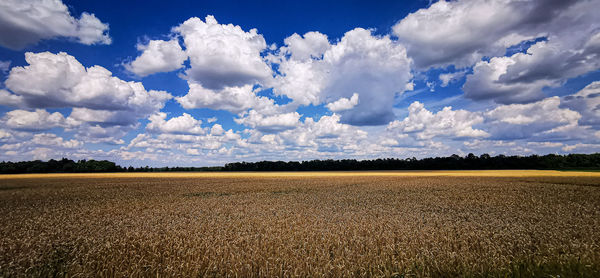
[[453, 162], [85, 166]]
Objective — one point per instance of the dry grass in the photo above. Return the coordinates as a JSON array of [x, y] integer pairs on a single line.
[[272, 224]]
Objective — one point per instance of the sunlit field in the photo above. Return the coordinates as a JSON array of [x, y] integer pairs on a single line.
[[387, 223]]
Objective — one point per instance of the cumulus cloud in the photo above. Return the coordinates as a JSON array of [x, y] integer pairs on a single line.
[[8, 99], [306, 139], [484, 84], [270, 123], [343, 103], [158, 56], [227, 69], [49, 139], [587, 103], [311, 45], [358, 63], [174, 146], [521, 77], [542, 119], [217, 129], [103, 106], [59, 80], [232, 99], [43, 146], [223, 55], [462, 32], [184, 124], [425, 124], [324, 135], [447, 78], [26, 22], [36, 120]]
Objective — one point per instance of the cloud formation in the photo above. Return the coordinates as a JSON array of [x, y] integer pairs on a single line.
[[425, 124], [587, 103], [184, 124], [222, 55], [36, 120], [233, 99], [542, 119], [158, 56], [102, 105], [343, 103], [461, 32], [358, 63], [26, 22], [506, 63]]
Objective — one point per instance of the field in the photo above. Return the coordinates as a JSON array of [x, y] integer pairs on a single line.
[[354, 224]]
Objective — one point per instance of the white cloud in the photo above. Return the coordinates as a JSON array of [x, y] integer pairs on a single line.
[[33, 120], [587, 103], [343, 103], [60, 81], [184, 148], [328, 131], [359, 63], [8, 99], [311, 45], [80, 116], [447, 78], [192, 151], [49, 139], [26, 22], [542, 119], [545, 144], [521, 77], [223, 55], [446, 123], [158, 56], [27, 146], [302, 81], [4, 135], [232, 99], [227, 70], [104, 107], [483, 84], [582, 147], [217, 129], [462, 32], [563, 35], [270, 123], [184, 124], [100, 133]]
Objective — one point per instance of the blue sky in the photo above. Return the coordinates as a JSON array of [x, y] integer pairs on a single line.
[[205, 83]]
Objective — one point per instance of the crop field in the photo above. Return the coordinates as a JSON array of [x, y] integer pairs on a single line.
[[332, 224]]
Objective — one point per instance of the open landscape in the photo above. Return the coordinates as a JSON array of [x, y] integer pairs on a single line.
[[314, 138], [381, 223]]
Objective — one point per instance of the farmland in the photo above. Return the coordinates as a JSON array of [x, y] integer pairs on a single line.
[[450, 223]]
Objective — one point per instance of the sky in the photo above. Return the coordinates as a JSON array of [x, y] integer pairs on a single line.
[[201, 83]]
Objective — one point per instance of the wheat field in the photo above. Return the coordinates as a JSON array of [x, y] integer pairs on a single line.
[[325, 224]]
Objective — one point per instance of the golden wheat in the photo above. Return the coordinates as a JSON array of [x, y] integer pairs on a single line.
[[277, 224], [417, 173]]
